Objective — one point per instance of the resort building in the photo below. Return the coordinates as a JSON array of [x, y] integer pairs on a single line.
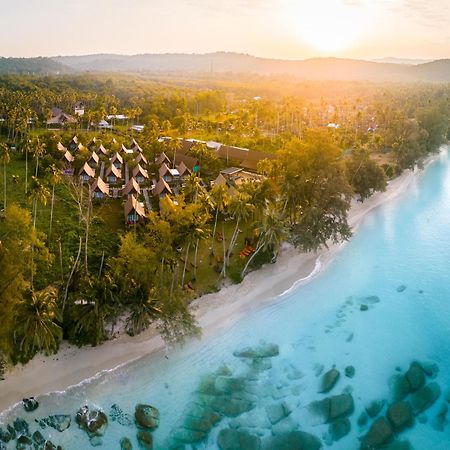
[[167, 174], [117, 161], [131, 188], [134, 211], [101, 151], [93, 160], [141, 159], [68, 158], [162, 189], [100, 189], [140, 174], [60, 118], [162, 158], [86, 173], [113, 174]]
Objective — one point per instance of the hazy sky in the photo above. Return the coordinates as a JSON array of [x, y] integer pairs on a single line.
[[273, 28]]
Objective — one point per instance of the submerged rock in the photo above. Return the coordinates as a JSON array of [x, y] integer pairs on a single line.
[[425, 397], [363, 419], [6, 436], [431, 369], [189, 436], [145, 439], [350, 371], [38, 438], [94, 422], [332, 408], [329, 380], [276, 412], [440, 420], [364, 307], [380, 433], [399, 388], [21, 427], [400, 416], [295, 440], [146, 416], [59, 422], [229, 439], [339, 428], [117, 415], [30, 404], [263, 350], [398, 445], [374, 408], [24, 443], [401, 288], [415, 376], [125, 444]]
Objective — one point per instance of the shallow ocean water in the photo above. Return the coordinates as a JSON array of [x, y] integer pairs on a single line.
[[399, 256]]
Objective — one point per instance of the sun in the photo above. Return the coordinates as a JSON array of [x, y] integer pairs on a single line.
[[328, 25]]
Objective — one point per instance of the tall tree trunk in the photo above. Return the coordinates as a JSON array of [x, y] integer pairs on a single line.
[[214, 229], [37, 166], [87, 233], [101, 265], [71, 274], [224, 266], [51, 214], [257, 250], [4, 193], [185, 263], [26, 172], [195, 259], [233, 240], [61, 260]]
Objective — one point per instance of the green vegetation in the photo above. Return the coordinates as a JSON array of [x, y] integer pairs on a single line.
[[70, 267]]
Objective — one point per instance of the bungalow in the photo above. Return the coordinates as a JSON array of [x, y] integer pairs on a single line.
[[100, 189], [78, 109], [104, 125], [131, 188], [73, 144], [134, 211], [190, 162], [135, 146], [117, 161], [183, 170], [161, 189], [93, 160], [61, 147], [125, 151], [248, 159], [167, 174], [113, 174], [86, 173], [101, 150], [162, 158], [141, 159], [60, 118], [140, 174], [68, 158], [92, 143]]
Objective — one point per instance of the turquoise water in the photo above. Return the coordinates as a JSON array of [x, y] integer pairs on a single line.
[[405, 243]]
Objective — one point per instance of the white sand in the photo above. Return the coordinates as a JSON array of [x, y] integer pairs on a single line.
[[214, 312]]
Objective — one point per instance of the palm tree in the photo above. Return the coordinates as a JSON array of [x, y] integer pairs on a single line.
[[220, 198], [38, 328], [271, 232], [4, 159], [240, 209], [175, 145], [38, 193], [55, 178], [38, 151]]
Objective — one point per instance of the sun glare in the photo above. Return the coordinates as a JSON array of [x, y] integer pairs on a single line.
[[328, 25]]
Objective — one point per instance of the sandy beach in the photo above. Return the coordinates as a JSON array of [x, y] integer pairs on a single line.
[[214, 312]]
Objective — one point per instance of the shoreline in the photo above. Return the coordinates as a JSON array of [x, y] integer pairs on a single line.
[[215, 312]]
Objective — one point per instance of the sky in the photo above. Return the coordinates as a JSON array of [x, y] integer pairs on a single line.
[[288, 29]]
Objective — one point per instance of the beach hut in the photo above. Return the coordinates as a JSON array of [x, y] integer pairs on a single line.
[[135, 146], [141, 159], [86, 173], [117, 161], [113, 174], [100, 189], [131, 188], [60, 147], [140, 174], [68, 158], [134, 211], [93, 160], [162, 189], [101, 151], [162, 158], [73, 144], [183, 170]]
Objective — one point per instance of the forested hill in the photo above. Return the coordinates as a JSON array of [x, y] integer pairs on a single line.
[[222, 62], [39, 66]]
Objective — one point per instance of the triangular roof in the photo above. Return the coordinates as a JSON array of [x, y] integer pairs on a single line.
[[188, 160], [118, 157], [61, 147], [163, 170], [102, 150], [74, 140], [68, 157], [135, 146], [100, 185], [162, 158], [94, 157], [92, 143], [141, 158], [132, 185], [114, 170], [183, 169], [161, 186], [220, 180], [139, 170], [87, 170], [132, 204], [125, 150]]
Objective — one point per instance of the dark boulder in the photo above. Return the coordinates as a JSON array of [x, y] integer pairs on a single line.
[[6, 436], [21, 427], [329, 380], [59, 422], [94, 422], [415, 376], [425, 397], [30, 404], [146, 416], [431, 369], [24, 443], [332, 408], [349, 371], [398, 445], [339, 428], [374, 408], [380, 434], [440, 420], [38, 438], [400, 415], [145, 439], [399, 388], [125, 444], [230, 439], [294, 440]]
